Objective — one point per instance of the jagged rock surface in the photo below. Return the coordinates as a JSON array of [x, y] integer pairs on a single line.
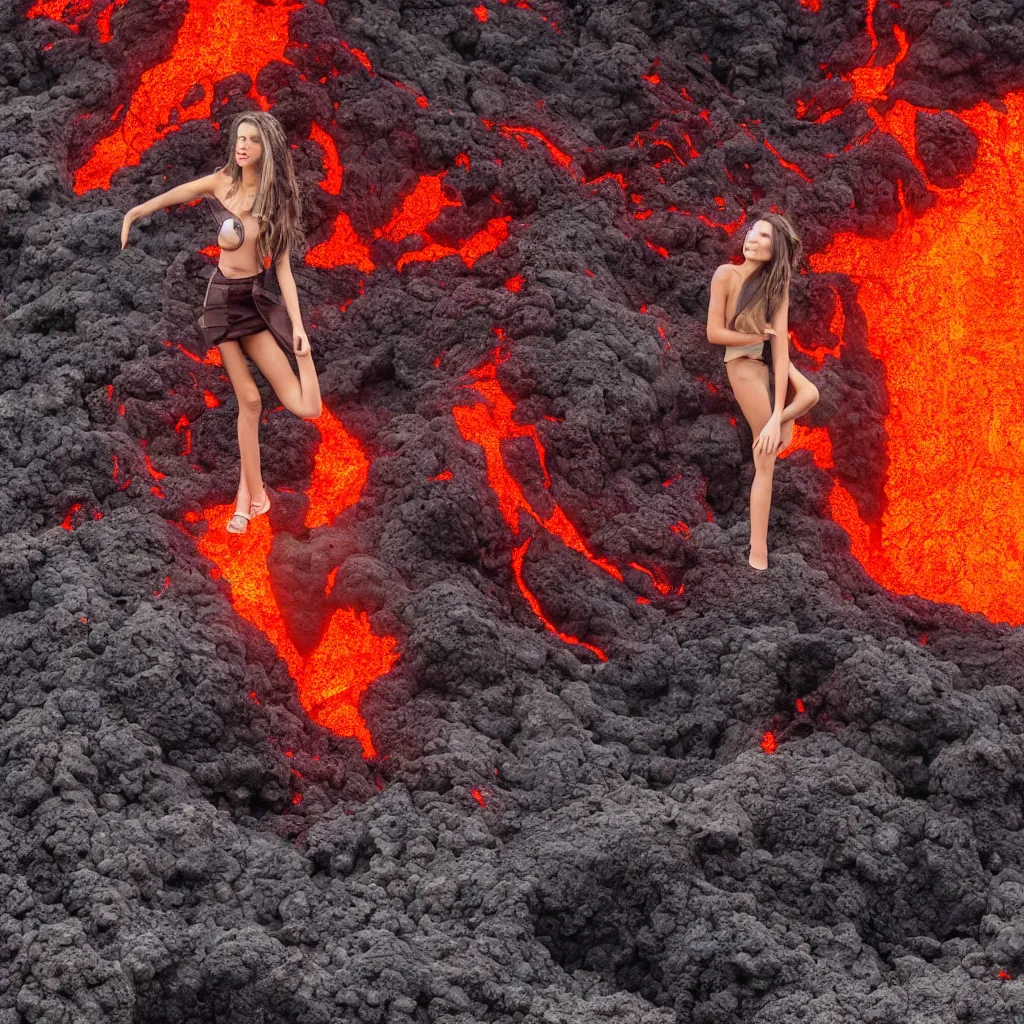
[[638, 857]]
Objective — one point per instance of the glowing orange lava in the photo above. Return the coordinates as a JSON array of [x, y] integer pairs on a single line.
[[488, 423], [872, 82], [943, 306], [349, 657], [209, 47]]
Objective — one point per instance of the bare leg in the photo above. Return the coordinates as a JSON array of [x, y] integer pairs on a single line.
[[300, 395], [250, 484], [801, 396], [749, 380]]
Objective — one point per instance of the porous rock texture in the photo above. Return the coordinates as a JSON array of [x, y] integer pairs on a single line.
[[631, 853]]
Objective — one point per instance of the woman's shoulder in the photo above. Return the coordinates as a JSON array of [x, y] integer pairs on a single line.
[[217, 183], [726, 272]]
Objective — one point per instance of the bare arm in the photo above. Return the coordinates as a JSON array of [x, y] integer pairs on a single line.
[[718, 333], [283, 266], [780, 354], [172, 197], [768, 441]]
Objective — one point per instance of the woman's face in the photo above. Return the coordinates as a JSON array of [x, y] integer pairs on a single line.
[[248, 145], [758, 243]]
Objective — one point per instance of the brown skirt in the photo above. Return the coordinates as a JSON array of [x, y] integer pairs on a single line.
[[236, 307]]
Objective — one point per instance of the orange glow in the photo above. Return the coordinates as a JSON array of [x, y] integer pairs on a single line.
[[812, 5], [349, 657], [518, 554], [943, 309], [210, 399], [67, 12], [339, 474], [343, 248], [488, 423], [768, 743], [814, 440], [486, 240], [480, 12], [788, 164], [359, 56], [872, 82], [420, 208], [332, 162], [76, 508], [521, 134], [514, 284], [209, 47], [183, 427], [657, 577]]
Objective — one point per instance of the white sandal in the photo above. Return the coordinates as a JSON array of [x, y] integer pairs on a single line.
[[263, 509]]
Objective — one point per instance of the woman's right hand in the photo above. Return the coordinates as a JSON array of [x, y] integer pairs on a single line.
[[126, 225]]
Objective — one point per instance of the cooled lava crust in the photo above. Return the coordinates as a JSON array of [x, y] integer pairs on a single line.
[[491, 721]]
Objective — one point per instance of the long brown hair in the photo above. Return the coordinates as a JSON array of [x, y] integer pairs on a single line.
[[762, 293], [276, 205]]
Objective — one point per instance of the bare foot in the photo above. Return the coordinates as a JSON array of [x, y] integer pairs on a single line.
[[758, 559]]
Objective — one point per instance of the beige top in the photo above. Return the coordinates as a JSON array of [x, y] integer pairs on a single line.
[[750, 321]]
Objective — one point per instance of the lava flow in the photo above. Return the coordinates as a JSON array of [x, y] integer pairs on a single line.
[[944, 306], [209, 47], [417, 211], [490, 422], [349, 657]]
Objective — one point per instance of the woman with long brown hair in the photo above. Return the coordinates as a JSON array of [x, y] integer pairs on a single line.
[[255, 199], [749, 315]]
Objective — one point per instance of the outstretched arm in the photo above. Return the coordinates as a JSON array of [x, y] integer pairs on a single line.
[[283, 266], [718, 333], [172, 197]]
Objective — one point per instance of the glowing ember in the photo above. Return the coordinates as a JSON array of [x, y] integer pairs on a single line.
[[332, 162], [478, 796], [768, 743], [872, 82], [486, 240], [349, 657], [520, 134], [950, 530], [343, 248], [76, 508], [419, 209], [480, 12], [518, 555], [788, 164], [514, 284], [209, 47], [488, 424]]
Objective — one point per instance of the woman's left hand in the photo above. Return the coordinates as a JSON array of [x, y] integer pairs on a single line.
[[300, 343], [767, 442]]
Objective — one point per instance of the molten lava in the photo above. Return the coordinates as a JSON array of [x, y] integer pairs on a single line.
[[209, 47], [490, 422], [349, 657], [943, 306]]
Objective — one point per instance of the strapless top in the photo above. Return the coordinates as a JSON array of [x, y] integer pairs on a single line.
[[750, 325], [231, 234]]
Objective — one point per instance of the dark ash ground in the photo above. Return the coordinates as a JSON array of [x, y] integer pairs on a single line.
[[639, 857]]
